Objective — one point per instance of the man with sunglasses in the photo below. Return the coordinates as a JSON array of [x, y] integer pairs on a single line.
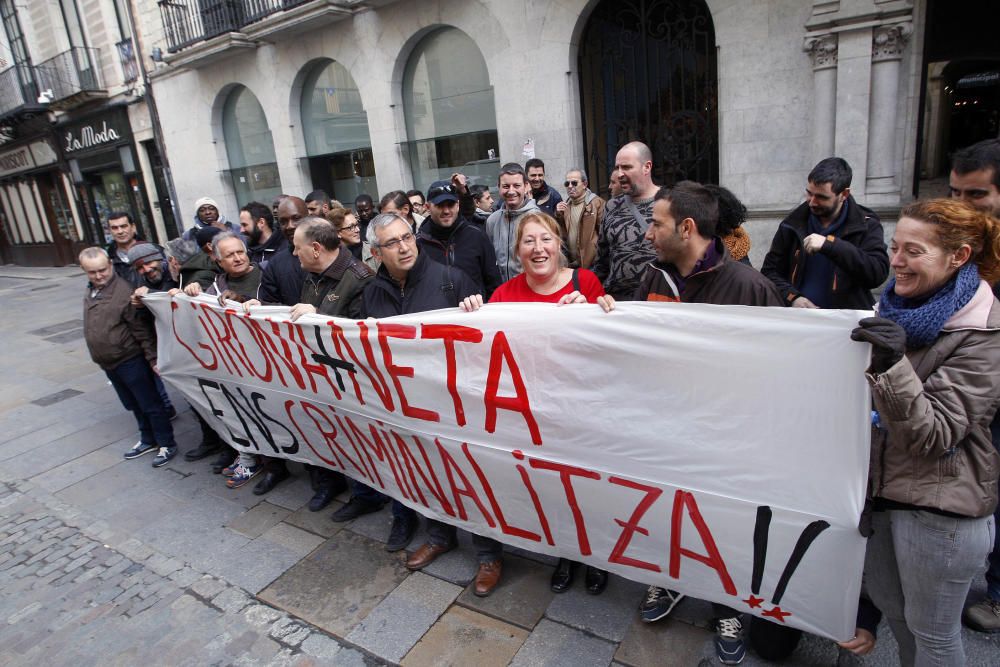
[[579, 216]]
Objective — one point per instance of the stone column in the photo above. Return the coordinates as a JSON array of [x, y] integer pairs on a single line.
[[823, 51], [888, 42]]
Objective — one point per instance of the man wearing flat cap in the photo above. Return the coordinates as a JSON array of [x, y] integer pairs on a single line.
[[150, 263]]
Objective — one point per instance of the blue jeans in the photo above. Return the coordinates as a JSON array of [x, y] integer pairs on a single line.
[[135, 383], [918, 570]]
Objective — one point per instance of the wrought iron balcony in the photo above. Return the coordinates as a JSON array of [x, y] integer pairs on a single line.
[[187, 22], [73, 77], [15, 95]]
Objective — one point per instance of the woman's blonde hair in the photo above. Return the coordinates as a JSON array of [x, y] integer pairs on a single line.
[[547, 221], [958, 223]]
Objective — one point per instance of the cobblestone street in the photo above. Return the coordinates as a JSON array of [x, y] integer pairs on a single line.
[[111, 562]]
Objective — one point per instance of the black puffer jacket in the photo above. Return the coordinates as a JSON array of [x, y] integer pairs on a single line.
[[463, 246], [281, 282], [858, 254]]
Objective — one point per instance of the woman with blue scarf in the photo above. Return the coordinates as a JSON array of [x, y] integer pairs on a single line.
[[935, 380]]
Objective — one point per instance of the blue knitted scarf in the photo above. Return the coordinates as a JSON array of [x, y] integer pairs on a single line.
[[923, 319]]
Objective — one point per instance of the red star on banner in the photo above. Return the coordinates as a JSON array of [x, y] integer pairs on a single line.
[[777, 614], [753, 601]]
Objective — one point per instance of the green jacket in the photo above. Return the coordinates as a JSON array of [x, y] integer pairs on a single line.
[[337, 291]]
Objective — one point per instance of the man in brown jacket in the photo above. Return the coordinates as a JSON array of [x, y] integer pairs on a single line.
[[579, 216], [123, 344]]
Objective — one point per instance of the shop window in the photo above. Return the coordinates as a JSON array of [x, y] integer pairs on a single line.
[[448, 105], [253, 166], [335, 126]]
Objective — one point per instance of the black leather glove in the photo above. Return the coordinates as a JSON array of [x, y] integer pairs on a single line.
[[888, 341]]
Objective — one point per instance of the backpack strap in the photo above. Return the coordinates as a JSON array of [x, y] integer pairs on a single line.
[[576, 279]]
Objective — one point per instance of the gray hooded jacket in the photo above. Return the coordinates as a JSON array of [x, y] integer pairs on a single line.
[[501, 227]]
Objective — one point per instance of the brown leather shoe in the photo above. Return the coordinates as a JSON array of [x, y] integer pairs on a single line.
[[488, 577], [426, 555]]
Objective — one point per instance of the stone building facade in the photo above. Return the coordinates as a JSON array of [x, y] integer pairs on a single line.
[[260, 97]]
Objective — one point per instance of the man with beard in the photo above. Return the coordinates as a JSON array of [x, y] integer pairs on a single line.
[[830, 251], [501, 226], [150, 264], [257, 225], [622, 254], [318, 203], [546, 198], [580, 218]]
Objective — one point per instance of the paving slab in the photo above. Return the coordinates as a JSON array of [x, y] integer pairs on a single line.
[[521, 597], [258, 519], [337, 585], [648, 644], [458, 566], [294, 539], [317, 523], [67, 474], [466, 637], [607, 615], [556, 645], [402, 618]]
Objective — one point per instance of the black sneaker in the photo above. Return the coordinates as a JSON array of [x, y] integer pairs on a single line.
[[353, 509], [164, 455], [400, 534], [202, 451], [729, 646], [658, 604]]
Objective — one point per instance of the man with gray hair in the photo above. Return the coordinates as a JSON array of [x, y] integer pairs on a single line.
[[239, 280], [123, 343], [179, 251], [579, 216]]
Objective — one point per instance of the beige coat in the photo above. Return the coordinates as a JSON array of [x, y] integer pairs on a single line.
[[593, 212], [935, 405]]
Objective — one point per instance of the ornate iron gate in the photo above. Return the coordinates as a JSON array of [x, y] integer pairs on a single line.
[[648, 73]]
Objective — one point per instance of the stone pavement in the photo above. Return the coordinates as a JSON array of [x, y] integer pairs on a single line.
[[107, 561]]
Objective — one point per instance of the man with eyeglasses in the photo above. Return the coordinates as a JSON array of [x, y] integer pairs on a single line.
[[579, 216], [449, 238], [407, 281]]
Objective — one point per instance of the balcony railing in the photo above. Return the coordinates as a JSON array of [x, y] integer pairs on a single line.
[[14, 94], [187, 22], [71, 74]]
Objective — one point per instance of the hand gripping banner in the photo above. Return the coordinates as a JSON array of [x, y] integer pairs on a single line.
[[721, 451]]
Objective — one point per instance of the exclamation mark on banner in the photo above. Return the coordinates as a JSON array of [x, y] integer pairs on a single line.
[[760, 534]]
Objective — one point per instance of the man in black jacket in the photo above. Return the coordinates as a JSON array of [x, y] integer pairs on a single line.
[[257, 225], [830, 251], [281, 282], [450, 239]]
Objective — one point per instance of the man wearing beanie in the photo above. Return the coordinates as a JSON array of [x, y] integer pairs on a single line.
[[207, 214], [151, 265], [450, 239]]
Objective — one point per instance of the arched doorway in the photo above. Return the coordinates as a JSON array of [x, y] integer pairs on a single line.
[[253, 166], [648, 72], [335, 126], [451, 122]]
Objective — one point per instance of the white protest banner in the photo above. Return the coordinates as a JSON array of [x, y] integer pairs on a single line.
[[721, 451]]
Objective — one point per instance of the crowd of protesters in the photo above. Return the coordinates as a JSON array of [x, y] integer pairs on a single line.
[[935, 340]]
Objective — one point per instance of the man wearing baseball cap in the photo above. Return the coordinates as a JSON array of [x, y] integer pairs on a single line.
[[449, 238]]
